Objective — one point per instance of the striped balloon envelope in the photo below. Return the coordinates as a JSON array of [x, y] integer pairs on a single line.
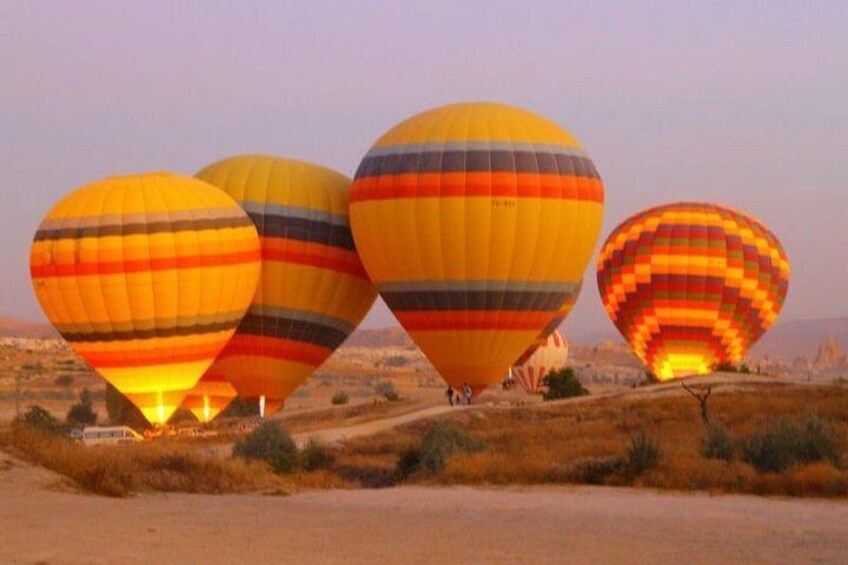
[[692, 285], [552, 326], [313, 291], [551, 356], [146, 277], [209, 397], [476, 223]]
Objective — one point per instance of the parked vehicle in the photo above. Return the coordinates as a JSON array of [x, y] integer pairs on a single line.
[[109, 435]]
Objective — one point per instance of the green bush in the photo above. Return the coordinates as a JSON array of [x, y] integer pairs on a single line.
[[82, 412], [441, 441], [717, 443], [40, 419], [388, 391], [594, 470], [316, 455], [64, 380], [271, 443], [563, 384], [643, 454], [788, 442], [340, 398]]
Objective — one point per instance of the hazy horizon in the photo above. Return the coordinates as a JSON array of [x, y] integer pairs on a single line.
[[738, 104]]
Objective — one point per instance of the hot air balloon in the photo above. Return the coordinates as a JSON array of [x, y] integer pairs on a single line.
[[551, 356], [146, 277], [209, 397], [313, 291], [476, 222], [542, 339], [692, 285]]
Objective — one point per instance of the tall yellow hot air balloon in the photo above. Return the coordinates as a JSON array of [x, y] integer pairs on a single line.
[[476, 222], [211, 395], [146, 277], [313, 290], [530, 370], [692, 285]]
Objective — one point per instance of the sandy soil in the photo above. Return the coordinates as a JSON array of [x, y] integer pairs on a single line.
[[40, 522]]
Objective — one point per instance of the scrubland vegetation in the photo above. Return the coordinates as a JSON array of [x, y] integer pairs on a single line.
[[771, 439]]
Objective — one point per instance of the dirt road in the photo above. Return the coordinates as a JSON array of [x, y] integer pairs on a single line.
[[412, 525]]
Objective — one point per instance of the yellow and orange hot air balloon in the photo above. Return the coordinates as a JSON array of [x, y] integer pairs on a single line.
[[146, 277], [476, 222], [209, 397], [692, 285], [313, 290], [550, 356]]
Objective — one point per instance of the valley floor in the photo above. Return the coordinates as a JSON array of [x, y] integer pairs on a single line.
[[43, 522]]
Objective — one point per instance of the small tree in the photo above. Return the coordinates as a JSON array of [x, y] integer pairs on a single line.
[[340, 398], [702, 396], [40, 419], [563, 384], [82, 413]]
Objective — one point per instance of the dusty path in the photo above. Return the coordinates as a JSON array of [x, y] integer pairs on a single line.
[[336, 435], [413, 525]]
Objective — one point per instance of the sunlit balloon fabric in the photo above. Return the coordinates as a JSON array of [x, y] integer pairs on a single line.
[[313, 290], [212, 394], [476, 222], [552, 356], [146, 277], [692, 285]]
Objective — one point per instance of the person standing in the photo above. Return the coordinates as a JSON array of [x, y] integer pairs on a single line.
[[450, 393]]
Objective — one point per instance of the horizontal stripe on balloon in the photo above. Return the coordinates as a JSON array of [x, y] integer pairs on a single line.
[[148, 333], [476, 161], [142, 265], [146, 228], [301, 229], [167, 354], [479, 285], [460, 320], [293, 329], [474, 300], [311, 214], [500, 185], [86, 326], [272, 311], [275, 349], [313, 255]]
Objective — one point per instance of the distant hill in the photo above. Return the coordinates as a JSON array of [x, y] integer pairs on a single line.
[[794, 338], [10, 327], [381, 337]]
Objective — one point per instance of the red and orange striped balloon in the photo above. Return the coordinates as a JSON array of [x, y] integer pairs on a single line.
[[550, 356], [692, 285]]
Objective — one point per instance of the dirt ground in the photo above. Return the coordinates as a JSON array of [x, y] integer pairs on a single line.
[[43, 522]]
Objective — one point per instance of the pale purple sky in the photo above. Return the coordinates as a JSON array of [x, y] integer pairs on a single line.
[[744, 103]]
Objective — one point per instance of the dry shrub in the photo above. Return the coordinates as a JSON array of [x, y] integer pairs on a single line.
[[817, 479], [122, 470]]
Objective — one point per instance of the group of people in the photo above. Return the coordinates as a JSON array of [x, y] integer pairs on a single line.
[[460, 397]]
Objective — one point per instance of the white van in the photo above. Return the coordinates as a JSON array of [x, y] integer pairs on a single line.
[[109, 435]]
